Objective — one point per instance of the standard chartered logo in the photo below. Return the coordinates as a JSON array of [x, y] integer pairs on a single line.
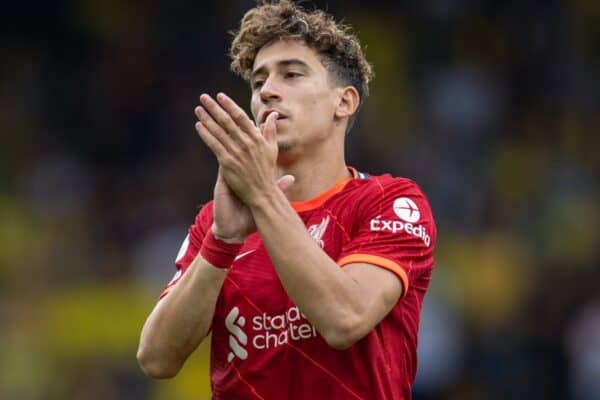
[[237, 338], [267, 331]]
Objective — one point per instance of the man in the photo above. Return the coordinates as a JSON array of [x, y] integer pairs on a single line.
[[309, 274]]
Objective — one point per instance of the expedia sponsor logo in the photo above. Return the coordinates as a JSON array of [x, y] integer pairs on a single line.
[[394, 226], [407, 210]]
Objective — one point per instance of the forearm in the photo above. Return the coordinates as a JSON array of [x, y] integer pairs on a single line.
[[330, 298], [180, 321]]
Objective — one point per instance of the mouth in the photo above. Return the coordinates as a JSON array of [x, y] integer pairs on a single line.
[[263, 119]]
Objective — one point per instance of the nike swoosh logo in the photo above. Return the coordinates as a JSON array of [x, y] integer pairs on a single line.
[[244, 254]]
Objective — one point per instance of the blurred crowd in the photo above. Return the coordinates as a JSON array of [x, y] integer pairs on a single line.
[[493, 107]]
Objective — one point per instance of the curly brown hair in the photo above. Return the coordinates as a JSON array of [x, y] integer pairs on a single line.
[[338, 48]]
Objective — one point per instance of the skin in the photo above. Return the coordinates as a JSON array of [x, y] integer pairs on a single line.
[[263, 164]]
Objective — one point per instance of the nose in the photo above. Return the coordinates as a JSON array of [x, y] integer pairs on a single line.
[[269, 91]]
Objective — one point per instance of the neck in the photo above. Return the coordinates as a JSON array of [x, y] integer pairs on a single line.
[[314, 175]]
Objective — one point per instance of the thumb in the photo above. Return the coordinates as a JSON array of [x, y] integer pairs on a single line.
[[285, 182], [220, 174], [221, 186], [269, 129]]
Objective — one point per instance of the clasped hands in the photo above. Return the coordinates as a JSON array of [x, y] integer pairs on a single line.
[[247, 157]]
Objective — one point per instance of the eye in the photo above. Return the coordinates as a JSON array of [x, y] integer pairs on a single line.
[[257, 84], [291, 75]]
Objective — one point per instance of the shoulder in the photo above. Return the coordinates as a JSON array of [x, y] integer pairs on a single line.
[[396, 184], [202, 222], [395, 197], [376, 188], [205, 213]]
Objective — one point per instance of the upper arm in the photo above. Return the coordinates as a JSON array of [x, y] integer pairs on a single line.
[[379, 288], [390, 248]]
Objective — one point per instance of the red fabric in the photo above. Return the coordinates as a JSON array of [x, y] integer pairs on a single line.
[[218, 253], [264, 348]]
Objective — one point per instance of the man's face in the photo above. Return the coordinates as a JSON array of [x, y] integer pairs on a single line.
[[288, 77]]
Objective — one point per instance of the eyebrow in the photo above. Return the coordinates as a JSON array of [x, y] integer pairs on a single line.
[[282, 63]]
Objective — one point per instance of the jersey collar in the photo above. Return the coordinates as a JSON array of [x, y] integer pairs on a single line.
[[319, 200]]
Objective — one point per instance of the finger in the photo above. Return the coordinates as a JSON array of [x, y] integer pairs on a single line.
[[269, 128], [285, 182], [222, 118], [213, 143], [237, 113], [214, 129]]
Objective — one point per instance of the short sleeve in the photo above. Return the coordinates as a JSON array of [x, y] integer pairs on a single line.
[[191, 244], [394, 229]]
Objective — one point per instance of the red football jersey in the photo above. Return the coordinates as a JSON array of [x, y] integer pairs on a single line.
[[262, 345]]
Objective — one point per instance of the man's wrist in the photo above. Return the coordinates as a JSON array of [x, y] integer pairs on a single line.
[[228, 240], [218, 253], [223, 238], [267, 199]]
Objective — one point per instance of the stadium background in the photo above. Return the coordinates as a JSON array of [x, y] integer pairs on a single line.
[[492, 106]]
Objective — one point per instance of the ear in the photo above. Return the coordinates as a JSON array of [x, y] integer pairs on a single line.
[[348, 101]]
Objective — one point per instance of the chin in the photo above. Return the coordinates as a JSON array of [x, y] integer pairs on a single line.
[[286, 154], [284, 146]]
